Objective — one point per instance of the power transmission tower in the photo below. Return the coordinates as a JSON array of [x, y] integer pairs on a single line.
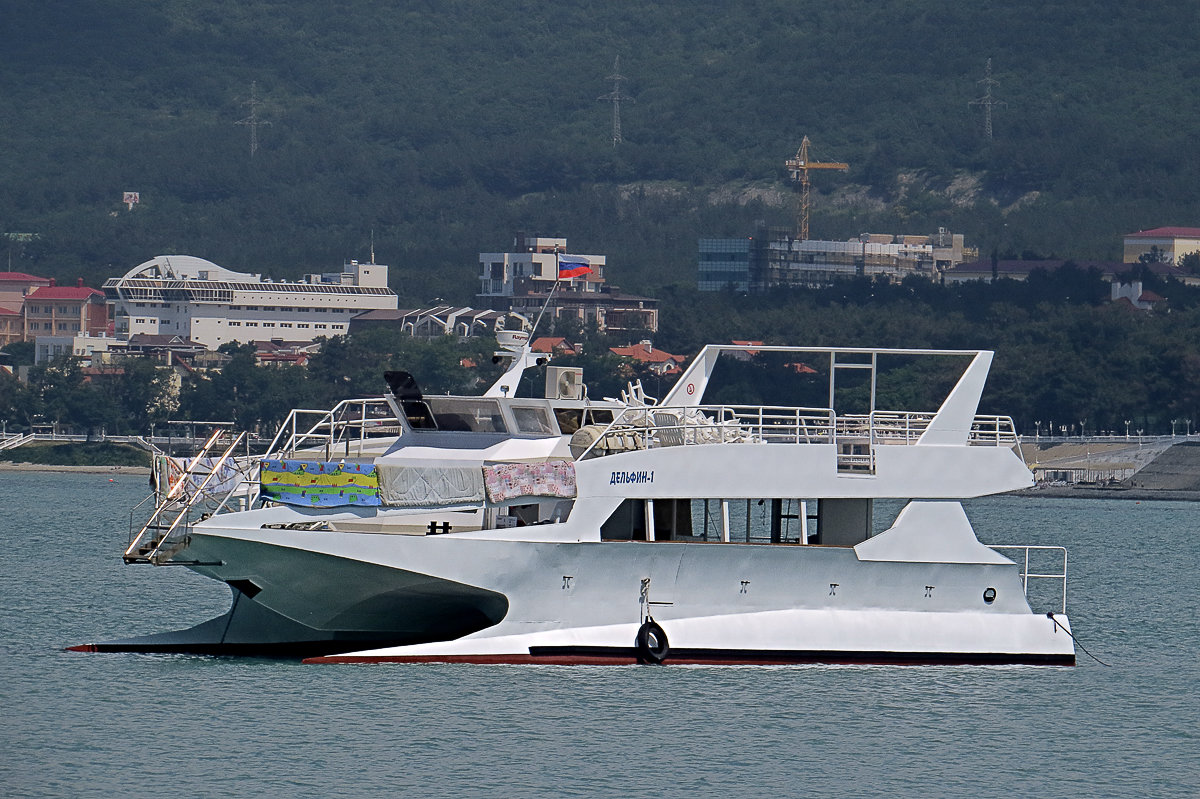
[[615, 97], [987, 101], [253, 120]]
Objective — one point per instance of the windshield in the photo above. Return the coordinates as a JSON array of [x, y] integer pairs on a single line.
[[467, 414]]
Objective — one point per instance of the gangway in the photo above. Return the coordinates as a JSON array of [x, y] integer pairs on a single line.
[[166, 531]]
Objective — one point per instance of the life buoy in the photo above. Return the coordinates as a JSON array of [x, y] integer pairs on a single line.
[[652, 646]]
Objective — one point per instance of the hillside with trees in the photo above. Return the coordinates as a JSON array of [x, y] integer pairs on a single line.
[[440, 129], [436, 131]]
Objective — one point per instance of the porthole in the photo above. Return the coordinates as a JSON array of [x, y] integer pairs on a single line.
[[989, 595]]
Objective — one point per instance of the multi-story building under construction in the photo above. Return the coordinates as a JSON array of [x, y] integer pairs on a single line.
[[774, 257]]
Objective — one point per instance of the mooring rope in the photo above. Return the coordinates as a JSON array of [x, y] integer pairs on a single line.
[[1058, 624]]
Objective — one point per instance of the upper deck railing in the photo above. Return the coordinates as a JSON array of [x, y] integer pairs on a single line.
[[856, 435], [342, 431]]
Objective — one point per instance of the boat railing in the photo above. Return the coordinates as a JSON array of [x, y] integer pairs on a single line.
[[166, 531], [1057, 557], [855, 435], [649, 427], [343, 430], [998, 431]]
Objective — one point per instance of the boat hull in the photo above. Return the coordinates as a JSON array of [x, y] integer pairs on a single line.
[[355, 597]]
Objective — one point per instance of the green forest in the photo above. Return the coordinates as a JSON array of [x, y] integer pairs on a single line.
[[431, 132], [441, 129]]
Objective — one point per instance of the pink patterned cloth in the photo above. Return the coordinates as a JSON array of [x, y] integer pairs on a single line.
[[505, 481]]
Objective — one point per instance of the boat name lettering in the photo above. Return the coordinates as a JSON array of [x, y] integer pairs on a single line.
[[623, 478]]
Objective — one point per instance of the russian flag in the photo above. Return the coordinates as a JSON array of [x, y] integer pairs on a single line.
[[569, 269]]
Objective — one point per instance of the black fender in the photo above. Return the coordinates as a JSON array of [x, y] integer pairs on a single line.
[[652, 646]]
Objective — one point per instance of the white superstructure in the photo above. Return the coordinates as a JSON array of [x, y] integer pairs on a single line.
[[563, 530], [196, 299]]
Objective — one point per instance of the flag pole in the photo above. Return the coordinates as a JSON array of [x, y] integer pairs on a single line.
[[545, 304]]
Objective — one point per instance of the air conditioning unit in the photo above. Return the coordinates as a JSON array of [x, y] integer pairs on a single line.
[[564, 382]]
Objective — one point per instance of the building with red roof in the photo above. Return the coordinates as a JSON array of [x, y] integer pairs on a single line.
[[55, 310], [11, 327], [1133, 295], [659, 361], [1165, 244], [15, 285], [554, 345], [1020, 270]]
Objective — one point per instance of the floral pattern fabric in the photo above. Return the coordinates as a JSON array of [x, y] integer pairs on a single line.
[[505, 481]]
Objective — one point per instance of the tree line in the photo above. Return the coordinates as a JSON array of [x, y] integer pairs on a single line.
[[1064, 353]]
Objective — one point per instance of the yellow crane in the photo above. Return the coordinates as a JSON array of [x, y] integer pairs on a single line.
[[799, 167]]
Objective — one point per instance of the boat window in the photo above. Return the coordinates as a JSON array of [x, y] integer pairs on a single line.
[[569, 419], [673, 520], [755, 521], [532, 420], [627, 522], [467, 414], [418, 414], [599, 416], [550, 511]]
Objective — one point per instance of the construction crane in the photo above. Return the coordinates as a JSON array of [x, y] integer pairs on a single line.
[[799, 167]]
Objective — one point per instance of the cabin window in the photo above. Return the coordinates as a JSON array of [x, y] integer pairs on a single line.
[[627, 522], [598, 416], [753, 521], [673, 520], [569, 419], [467, 415], [533, 420], [546, 511], [418, 415]]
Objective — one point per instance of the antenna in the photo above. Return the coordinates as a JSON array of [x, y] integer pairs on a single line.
[[987, 101], [372, 245], [615, 97], [253, 121]]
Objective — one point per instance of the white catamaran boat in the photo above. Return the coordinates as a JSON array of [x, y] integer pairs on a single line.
[[499, 529]]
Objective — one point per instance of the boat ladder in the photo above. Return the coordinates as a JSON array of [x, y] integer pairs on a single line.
[[166, 531]]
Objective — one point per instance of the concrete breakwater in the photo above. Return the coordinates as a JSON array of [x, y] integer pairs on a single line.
[[1154, 469]]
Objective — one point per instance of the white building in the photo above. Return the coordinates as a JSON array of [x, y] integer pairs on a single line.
[[193, 298], [92, 350], [533, 268], [521, 282]]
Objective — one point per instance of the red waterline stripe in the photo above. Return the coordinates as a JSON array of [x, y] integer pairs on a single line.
[[556, 660], [720, 658]]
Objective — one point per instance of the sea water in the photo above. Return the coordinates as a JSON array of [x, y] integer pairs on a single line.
[[76, 724]]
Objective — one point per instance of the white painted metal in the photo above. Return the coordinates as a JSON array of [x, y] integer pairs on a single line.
[[921, 588]]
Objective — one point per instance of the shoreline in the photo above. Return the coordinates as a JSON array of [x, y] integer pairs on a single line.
[[11, 466], [1140, 494]]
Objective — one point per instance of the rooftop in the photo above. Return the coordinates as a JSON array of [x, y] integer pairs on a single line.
[[22, 277], [646, 353], [1166, 233], [64, 293], [1023, 268]]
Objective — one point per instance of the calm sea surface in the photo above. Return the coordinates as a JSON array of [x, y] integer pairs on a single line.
[[112, 724]]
